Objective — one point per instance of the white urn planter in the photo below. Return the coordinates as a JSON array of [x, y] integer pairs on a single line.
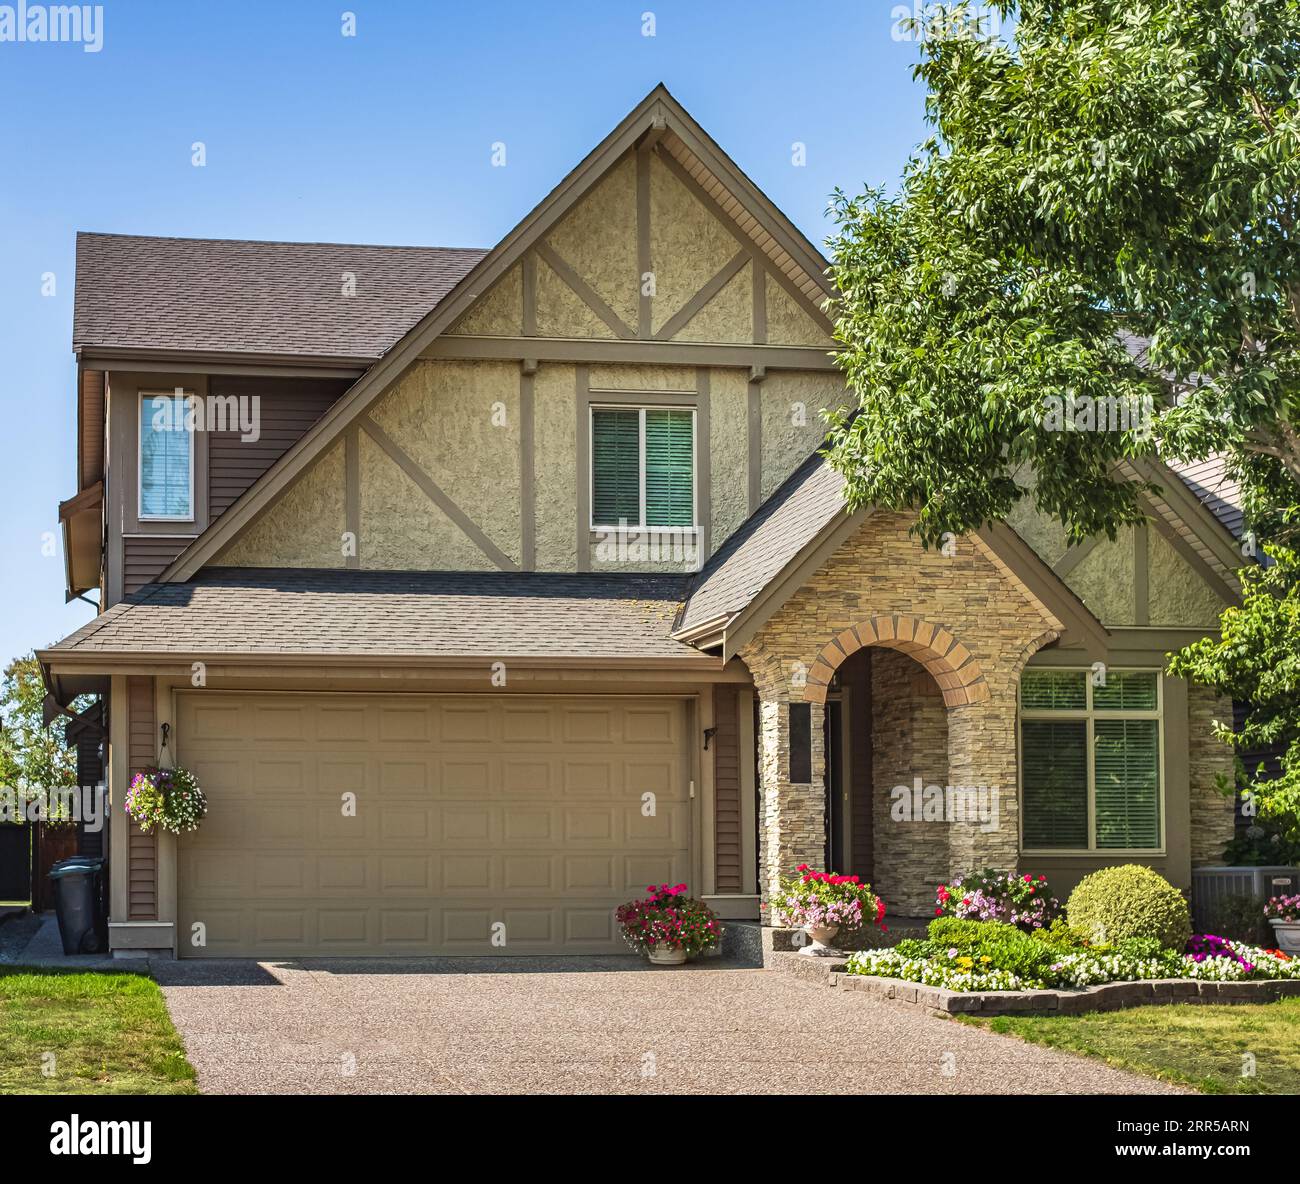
[[819, 941], [662, 956], [1288, 935]]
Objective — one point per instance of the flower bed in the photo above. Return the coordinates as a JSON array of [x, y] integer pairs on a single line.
[[989, 956]]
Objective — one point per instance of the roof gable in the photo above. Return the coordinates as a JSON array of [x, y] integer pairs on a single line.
[[737, 200]]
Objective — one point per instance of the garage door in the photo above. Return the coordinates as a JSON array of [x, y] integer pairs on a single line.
[[399, 824]]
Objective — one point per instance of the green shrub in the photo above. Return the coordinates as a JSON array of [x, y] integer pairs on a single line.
[[964, 934], [992, 945], [1239, 917], [1129, 901], [1061, 938]]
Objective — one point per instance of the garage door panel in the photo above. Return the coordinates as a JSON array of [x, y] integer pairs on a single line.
[[526, 813]]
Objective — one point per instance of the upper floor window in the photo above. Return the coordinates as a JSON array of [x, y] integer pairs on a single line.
[[643, 467], [1090, 767], [166, 458]]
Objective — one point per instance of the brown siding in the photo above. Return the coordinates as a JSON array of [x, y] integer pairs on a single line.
[[726, 791], [142, 849], [144, 559], [288, 408], [91, 451]]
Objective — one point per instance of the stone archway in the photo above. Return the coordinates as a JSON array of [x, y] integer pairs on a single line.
[[948, 661]]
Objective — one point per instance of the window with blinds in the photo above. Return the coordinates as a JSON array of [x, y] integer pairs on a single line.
[[642, 467], [1090, 760], [166, 458]]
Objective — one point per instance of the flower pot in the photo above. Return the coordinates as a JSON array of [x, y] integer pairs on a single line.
[[662, 956], [1288, 935], [820, 937]]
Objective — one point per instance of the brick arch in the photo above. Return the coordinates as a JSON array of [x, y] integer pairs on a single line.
[[949, 662]]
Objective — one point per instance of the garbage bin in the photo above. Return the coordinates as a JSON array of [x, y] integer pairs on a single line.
[[79, 904]]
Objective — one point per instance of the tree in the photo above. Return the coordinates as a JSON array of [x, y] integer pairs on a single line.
[[32, 757], [1257, 660], [1103, 227], [1094, 258]]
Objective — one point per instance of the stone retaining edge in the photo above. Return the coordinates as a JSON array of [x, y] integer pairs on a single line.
[[1076, 1001]]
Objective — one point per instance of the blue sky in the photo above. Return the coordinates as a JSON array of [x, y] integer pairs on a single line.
[[384, 137]]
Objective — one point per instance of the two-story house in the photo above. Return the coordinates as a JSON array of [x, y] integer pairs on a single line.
[[481, 589]]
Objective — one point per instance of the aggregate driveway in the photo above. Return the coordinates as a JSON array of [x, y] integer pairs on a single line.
[[554, 1025]]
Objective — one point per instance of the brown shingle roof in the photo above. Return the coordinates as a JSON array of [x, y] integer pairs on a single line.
[[762, 546], [488, 615], [1208, 479], [228, 296]]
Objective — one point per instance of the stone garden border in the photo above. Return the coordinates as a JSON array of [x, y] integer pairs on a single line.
[[1104, 997]]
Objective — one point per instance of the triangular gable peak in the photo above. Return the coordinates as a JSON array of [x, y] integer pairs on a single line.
[[731, 269]]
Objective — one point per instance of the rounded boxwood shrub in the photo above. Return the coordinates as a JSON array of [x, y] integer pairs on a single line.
[[1130, 901]]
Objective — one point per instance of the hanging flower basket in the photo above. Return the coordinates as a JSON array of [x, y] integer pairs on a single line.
[[166, 798]]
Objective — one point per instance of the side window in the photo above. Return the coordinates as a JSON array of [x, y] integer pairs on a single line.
[[1090, 761], [166, 458], [642, 467]]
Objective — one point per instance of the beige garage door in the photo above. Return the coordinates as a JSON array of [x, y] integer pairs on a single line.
[[400, 824]]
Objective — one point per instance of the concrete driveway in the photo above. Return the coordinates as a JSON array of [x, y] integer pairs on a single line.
[[553, 1025]]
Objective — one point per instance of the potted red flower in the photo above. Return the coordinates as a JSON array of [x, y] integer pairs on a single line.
[[668, 926]]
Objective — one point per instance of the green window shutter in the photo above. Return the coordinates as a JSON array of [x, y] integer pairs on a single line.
[[669, 468], [615, 467], [164, 458], [1054, 690], [1126, 690], [1054, 763], [1127, 755]]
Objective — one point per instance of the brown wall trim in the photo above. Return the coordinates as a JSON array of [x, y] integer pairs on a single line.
[[352, 493], [582, 471], [142, 849], [728, 839], [527, 477], [597, 351]]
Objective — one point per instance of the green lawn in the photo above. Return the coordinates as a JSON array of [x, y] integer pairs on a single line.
[[1191, 1044], [108, 1033]]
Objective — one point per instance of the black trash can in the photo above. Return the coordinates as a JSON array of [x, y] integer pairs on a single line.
[[79, 903]]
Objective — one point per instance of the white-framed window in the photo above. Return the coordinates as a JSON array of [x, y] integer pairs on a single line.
[[1091, 761], [643, 467], [166, 488]]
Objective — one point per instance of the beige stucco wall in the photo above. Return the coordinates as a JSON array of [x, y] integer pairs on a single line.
[[791, 403], [1104, 580], [555, 443], [459, 421], [1178, 596], [688, 244], [729, 446], [729, 316], [598, 240], [304, 528], [499, 311], [787, 321]]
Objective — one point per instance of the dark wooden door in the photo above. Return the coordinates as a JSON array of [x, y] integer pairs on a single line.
[[15, 862], [52, 844]]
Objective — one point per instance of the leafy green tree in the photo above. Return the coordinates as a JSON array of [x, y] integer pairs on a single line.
[[1104, 218], [1105, 221], [32, 756], [1257, 660]]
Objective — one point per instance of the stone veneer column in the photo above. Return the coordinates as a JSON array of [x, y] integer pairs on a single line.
[[793, 820], [982, 754]]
